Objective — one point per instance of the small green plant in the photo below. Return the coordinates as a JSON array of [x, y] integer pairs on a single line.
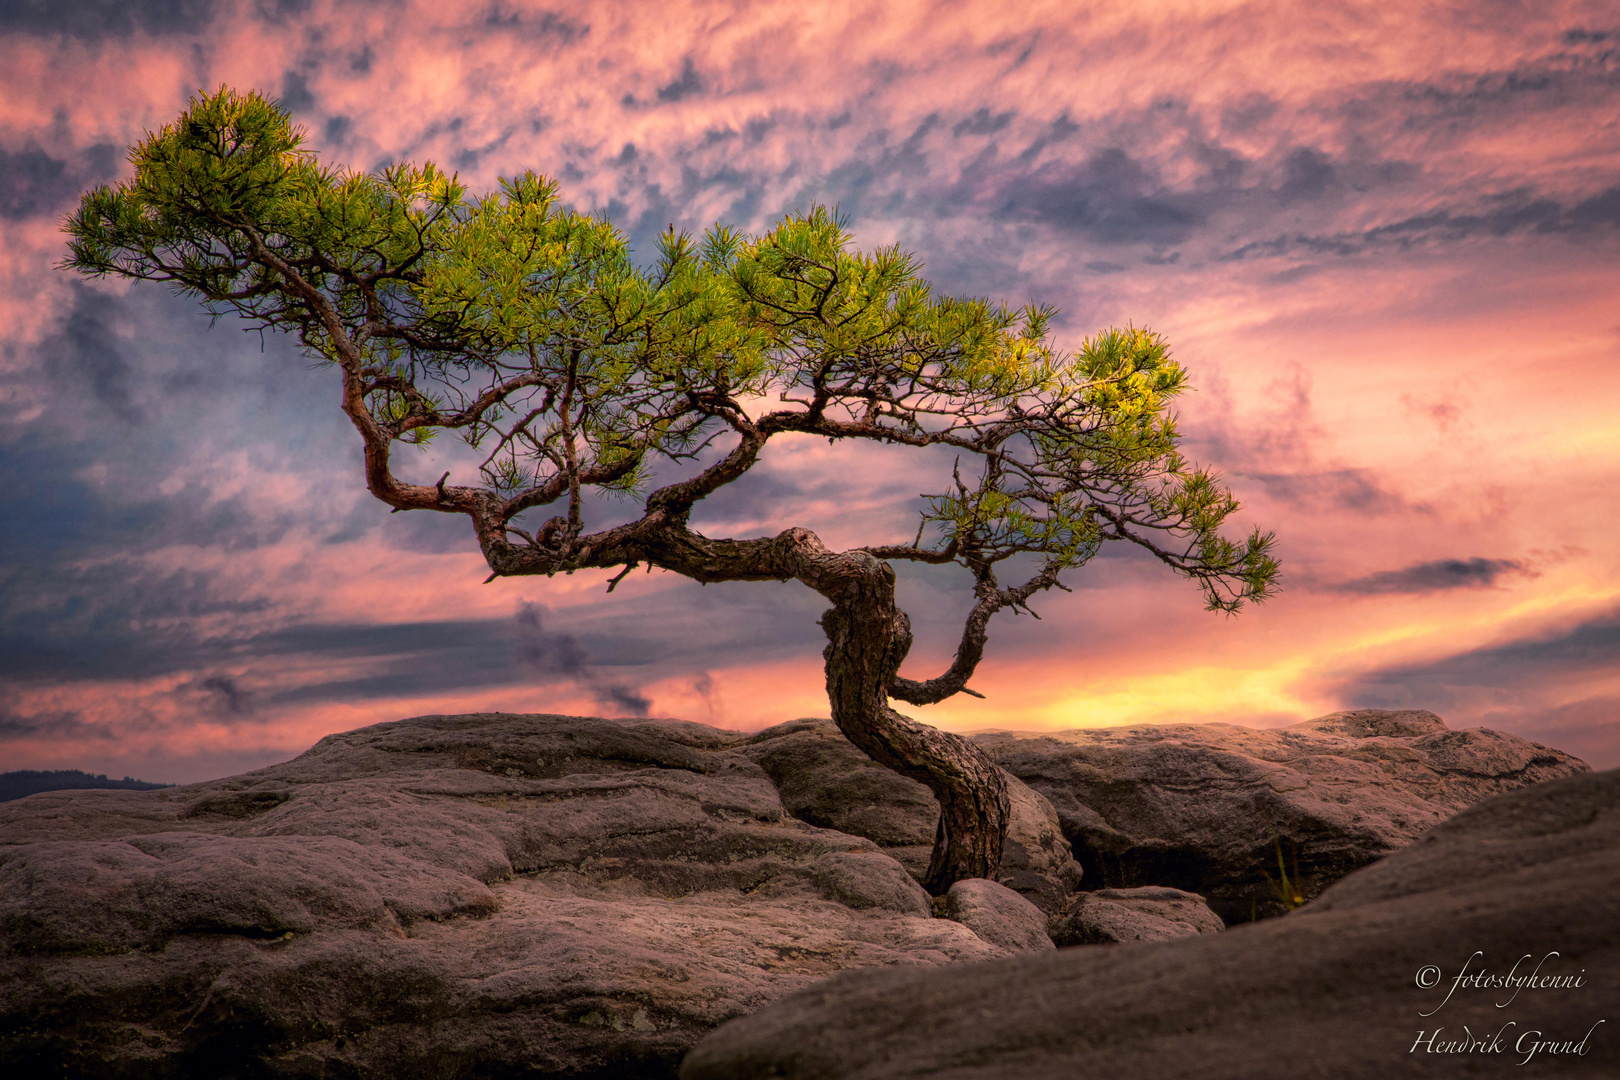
[[1286, 888]]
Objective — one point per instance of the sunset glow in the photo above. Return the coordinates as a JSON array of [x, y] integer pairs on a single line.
[[1385, 242]]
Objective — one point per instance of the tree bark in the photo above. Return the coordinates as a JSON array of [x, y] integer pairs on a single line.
[[867, 638]]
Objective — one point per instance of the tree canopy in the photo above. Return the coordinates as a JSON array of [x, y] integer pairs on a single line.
[[526, 329]]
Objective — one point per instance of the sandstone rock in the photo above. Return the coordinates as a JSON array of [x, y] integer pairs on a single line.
[[1122, 916], [1036, 859], [540, 895], [142, 891], [464, 895], [825, 780], [1342, 988], [867, 879], [998, 915], [1210, 807]]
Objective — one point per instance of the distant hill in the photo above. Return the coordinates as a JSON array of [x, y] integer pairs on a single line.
[[14, 785]]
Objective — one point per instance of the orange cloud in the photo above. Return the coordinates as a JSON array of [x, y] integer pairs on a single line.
[[1382, 238]]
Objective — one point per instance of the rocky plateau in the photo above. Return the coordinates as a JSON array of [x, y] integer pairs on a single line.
[[1363, 982], [545, 896]]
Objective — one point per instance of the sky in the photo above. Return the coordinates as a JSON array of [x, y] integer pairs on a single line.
[[1384, 239]]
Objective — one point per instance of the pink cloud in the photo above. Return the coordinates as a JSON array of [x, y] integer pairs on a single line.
[[1376, 235]]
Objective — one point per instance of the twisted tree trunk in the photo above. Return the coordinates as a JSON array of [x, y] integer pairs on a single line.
[[867, 638]]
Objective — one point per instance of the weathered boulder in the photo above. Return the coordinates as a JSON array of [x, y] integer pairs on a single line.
[[1122, 916], [1210, 808], [467, 896], [998, 915], [1036, 860], [825, 780], [1349, 986]]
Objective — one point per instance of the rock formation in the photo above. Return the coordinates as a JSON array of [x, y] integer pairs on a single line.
[[1210, 808], [998, 915], [1124, 916], [496, 895], [1349, 986], [826, 781], [469, 895]]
